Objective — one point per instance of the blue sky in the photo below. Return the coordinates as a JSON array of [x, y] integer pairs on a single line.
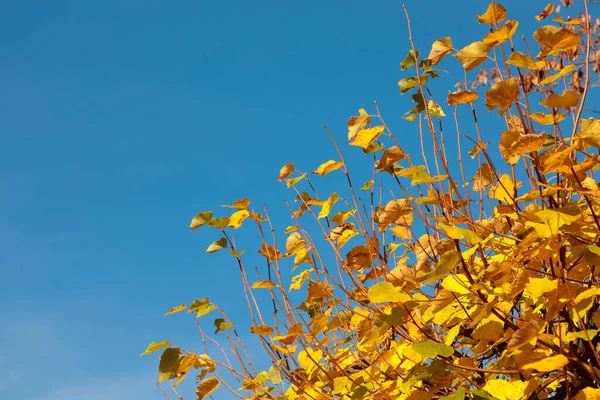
[[120, 120]]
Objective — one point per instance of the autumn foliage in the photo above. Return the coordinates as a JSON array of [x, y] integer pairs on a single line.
[[464, 272]]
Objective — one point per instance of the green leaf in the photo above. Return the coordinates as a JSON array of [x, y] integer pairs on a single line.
[[236, 254], [384, 292], [219, 223], [168, 365], [409, 60], [155, 346], [431, 349], [201, 219], [206, 387], [217, 245], [458, 395], [202, 307], [222, 325], [406, 84]]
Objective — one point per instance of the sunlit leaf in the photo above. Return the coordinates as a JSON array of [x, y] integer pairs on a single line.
[[396, 212], [462, 97], [357, 123], [523, 335], [553, 40], [434, 109], [206, 387], [406, 84], [439, 49], [390, 157], [270, 252], [217, 245], [219, 222], [202, 307], [326, 208], [201, 219], [549, 9], [241, 204], [298, 280], [501, 35], [365, 137], [547, 119], [457, 283], [495, 13], [221, 325], [561, 73], [264, 285], [328, 167], [155, 346], [447, 263], [366, 186], [565, 100], [502, 94], [176, 309], [275, 375], [521, 60], [236, 219], [504, 190], [569, 21], [385, 292], [431, 349], [262, 330], [505, 390], [409, 60], [454, 232], [473, 55], [292, 181], [286, 171]]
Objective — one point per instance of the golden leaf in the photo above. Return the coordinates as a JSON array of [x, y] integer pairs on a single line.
[[319, 290], [547, 119], [270, 252], [549, 9], [206, 387], [590, 131], [365, 137], [483, 178], [553, 40], [359, 258], [385, 292], [262, 330], [502, 94], [565, 100], [439, 49], [501, 35], [236, 219], [462, 97], [548, 364], [328, 167], [507, 140], [326, 208], [286, 171], [264, 285], [176, 309], [505, 390], [521, 60], [504, 190], [554, 77], [396, 212], [390, 157], [524, 335], [495, 13], [473, 55], [569, 21], [241, 204], [357, 123]]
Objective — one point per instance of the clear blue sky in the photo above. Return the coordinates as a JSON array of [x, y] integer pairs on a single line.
[[120, 120]]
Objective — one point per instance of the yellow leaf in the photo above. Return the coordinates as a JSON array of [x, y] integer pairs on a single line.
[[385, 292], [588, 393], [390, 157], [549, 9], [513, 144], [367, 186], [264, 285], [365, 137], [457, 283], [293, 244], [455, 232], [298, 280], [505, 390], [502, 94], [501, 35], [206, 387], [490, 328], [589, 131], [547, 119], [548, 364], [176, 309], [309, 359], [565, 100], [328, 167], [553, 40], [357, 123], [462, 97], [523, 335], [155, 346], [396, 212], [341, 217], [201, 219], [326, 208], [569, 21], [554, 77], [292, 181], [434, 109], [504, 190], [286, 171], [262, 330], [521, 60], [536, 287], [439, 49], [241, 204], [236, 219], [473, 55], [293, 332], [495, 13], [270, 252]]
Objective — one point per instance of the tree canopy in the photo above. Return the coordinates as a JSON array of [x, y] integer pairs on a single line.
[[465, 272]]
